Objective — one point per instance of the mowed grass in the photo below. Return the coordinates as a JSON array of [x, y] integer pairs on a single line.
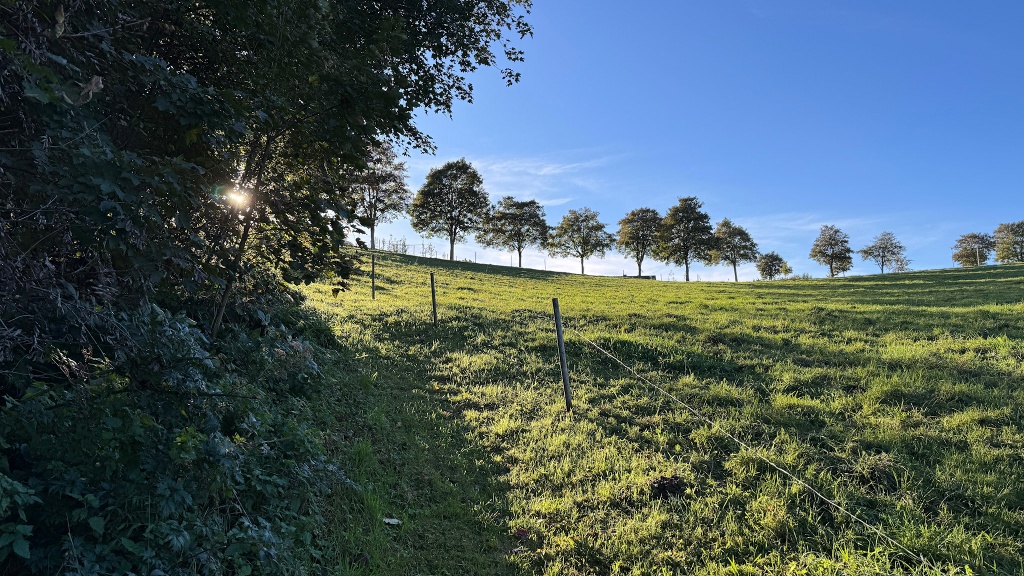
[[900, 397]]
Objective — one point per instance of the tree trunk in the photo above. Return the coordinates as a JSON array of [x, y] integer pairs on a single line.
[[581, 266], [451, 251], [687, 264], [373, 246], [639, 267], [222, 306], [735, 275], [520, 258], [831, 270]]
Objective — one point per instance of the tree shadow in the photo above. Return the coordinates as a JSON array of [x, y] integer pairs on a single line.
[[412, 461], [948, 413]]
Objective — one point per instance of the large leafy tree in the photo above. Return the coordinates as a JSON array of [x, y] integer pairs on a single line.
[[124, 125], [886, 250], [1009, 242], [514, 225], [378, 189], [832, 248], [452, 203], [772, 266], [686, 235], [732, 245], [581, 235], [973, 249], [638, 234]]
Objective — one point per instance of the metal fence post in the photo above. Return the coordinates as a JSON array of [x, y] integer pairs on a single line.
[[561, 356], [433, 298]]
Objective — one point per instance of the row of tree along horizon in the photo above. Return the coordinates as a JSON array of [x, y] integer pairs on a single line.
[[453, 204]]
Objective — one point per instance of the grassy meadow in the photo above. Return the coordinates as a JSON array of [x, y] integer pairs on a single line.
[[898, 396]]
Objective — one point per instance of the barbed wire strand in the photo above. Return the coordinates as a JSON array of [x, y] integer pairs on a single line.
[[700, 416]]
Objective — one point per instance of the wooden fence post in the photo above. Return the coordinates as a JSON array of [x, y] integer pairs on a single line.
[[561, 356]]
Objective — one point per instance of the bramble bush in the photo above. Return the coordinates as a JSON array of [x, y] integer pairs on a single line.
[[134, 436], [199, 463]]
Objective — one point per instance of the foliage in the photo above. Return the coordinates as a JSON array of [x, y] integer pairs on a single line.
[[973, 249], [452, 203], [515, 225], [886, 250], [732, 245], [772, 266], [580, 235], [686, 235], [893, 395], [1009, 242], [195, 464], [832, 248], [378, 189], [131, 442], [638, 235]]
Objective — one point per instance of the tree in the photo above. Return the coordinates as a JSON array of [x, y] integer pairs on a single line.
[[886, 250], [733, 245], [514, 225], [123, 127], [686, 235], [832, 248], [1009, 242], [638, 234], [772, 266], [580, 235], [452, 203], [973, 249], [378, 189]]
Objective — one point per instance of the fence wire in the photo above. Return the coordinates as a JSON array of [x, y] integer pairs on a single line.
[[757, 453]]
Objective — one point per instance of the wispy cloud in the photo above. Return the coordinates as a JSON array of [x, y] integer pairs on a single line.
[[550, 182], [788, 228]]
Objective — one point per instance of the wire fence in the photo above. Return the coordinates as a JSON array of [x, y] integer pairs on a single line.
[[758, 453]]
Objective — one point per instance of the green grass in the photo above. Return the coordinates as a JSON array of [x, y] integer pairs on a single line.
[[898, 396]]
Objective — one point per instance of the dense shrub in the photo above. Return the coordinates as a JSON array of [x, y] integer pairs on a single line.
[[195, 464], [134, 437]]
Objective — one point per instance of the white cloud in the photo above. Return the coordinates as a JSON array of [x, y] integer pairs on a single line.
[[550, 182]]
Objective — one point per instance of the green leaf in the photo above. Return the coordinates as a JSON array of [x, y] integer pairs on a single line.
[[37, 93], [58, 59], [96, 523], [21, 547]]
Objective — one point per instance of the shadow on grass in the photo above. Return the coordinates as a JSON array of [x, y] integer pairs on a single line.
[[411, 461], [890, 451], [955, 424]]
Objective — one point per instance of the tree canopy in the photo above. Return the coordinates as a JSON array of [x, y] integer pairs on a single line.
[[973, 249], [832, 248], [153, 155], [732, 245], [1009, 242], [772, 266], [886, 250], [638, 234], [377, 188], [686, 235], [581, 235], [452, 203], [514, 225]]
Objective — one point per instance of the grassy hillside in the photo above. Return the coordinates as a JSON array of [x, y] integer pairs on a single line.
[[898, 396]]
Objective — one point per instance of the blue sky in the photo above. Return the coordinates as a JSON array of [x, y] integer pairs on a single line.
[[782, 116]]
